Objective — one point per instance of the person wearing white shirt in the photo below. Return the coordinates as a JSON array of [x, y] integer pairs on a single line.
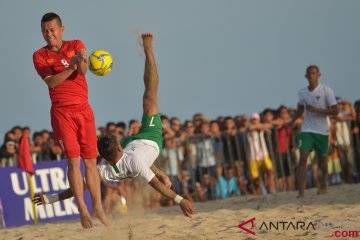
[[318, 102]]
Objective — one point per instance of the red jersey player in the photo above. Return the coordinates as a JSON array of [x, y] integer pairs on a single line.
[[62, 65]]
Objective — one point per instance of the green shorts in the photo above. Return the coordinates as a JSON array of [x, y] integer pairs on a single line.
[[313, 141], [151, 129]]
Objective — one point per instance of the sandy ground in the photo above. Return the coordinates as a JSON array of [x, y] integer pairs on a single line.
[[337, 212]]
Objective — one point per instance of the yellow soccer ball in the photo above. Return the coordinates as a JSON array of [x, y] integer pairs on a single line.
[[100, 62]]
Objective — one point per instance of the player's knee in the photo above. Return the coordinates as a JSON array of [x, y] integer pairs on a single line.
[[90, 163], [150, 106], [149, 99], [73, 163]]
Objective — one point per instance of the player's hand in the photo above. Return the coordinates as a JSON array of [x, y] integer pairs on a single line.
[[82, 55], [39, 199], [166, 181], [187, 207], [73, 63], [311, 108]]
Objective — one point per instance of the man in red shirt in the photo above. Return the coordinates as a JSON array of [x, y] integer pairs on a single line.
[[62, 65]]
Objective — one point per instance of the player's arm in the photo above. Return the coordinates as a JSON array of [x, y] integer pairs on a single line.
[[54, 80], [299, 112], [186, 206], [161, 175], [82, 65], [42, 198], [330, 111]]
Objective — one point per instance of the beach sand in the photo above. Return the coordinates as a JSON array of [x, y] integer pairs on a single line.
[[338, 210]]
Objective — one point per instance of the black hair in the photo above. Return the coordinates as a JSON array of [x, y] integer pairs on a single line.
[[310, 67], [107, 146], [121, 125], [49, 17]]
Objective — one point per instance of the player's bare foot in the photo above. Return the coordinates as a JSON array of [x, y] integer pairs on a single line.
[[100, 214], [147, 40], [86, 221], [322, 191], [300, 196]]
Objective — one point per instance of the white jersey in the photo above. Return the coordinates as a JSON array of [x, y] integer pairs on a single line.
[[321, 97], [138, 156], [257, 145]]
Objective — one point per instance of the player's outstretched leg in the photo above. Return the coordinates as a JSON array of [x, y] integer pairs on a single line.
[[151, 77]]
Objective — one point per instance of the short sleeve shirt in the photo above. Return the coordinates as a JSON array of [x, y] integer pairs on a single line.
[[136, 161], [321, 97], [72, 91]]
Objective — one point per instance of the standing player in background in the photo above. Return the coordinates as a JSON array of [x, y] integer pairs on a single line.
[[318, 102], [62, 66]]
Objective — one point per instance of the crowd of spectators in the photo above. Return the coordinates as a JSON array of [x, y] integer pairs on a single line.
[[208, 159]]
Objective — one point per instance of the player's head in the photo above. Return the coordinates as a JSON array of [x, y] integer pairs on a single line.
[[52, 29], [109, 147], [312, 73]]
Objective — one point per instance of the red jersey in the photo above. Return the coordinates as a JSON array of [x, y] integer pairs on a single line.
[[74, 90], [284, 139]]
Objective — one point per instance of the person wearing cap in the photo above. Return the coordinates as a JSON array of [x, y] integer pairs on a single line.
[[318, 102], [260, 162]]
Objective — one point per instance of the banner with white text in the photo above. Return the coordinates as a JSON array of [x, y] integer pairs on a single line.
[[49, 177]]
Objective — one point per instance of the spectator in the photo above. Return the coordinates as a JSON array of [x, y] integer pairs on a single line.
[[173, 159], [218, 147], [227, 186], [343, 137], [283, 149], [190, 162], [121, 130], [175, 126], [334, 166], [18, 132], [260, 162], [198, 119], [231, 146], [9, 155], [179, 135], [134, 127], [167, 131], [110, 128], [206, 159]]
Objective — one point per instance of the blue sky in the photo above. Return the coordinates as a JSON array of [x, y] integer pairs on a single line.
[[216, 57]]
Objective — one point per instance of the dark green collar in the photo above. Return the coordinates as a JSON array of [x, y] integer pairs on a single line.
[[116, 168]]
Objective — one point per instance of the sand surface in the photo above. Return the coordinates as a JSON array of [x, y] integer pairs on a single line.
[[336, 212]]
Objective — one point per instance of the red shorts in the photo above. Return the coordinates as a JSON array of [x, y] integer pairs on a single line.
[[75, 131]]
